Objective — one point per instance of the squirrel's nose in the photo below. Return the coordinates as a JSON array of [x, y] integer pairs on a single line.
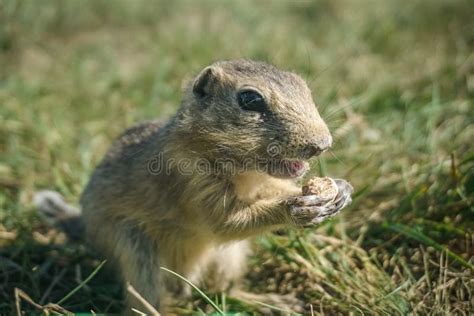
[[314, 151], [318, 146]]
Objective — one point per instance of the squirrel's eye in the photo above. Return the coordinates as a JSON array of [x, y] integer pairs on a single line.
[[251, 100]]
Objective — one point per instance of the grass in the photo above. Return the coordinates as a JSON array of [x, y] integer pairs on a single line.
[[393, 81]]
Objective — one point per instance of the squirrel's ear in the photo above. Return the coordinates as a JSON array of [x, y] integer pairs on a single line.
[[205, 81]]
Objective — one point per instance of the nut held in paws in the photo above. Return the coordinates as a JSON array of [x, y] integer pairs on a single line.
[[326, 188]]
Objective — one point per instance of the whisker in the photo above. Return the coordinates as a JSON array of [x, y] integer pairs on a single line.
[[337, 158], [351, 103], [338, 121], [340, 58]]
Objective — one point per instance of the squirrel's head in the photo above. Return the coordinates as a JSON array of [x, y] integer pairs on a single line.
[[254, 114]]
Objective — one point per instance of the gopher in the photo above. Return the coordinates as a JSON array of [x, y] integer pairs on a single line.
[[187, 194]]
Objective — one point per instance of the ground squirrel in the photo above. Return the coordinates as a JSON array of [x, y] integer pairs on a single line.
[[187, 193]]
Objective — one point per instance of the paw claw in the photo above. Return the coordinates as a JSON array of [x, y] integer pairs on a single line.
[[310, 210]]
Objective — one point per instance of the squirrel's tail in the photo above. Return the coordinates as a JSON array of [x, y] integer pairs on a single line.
[[52, 207]]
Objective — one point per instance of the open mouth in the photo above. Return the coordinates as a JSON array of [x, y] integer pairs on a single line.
[[287, 168]]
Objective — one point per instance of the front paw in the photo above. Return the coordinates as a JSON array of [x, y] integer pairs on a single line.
[[311, 210]]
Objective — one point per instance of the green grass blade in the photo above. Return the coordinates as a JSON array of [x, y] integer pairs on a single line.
[[203, 295], [77, 288], [419, 236]]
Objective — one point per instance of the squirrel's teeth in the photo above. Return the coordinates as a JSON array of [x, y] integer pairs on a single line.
[[287, 168], [295, 168]]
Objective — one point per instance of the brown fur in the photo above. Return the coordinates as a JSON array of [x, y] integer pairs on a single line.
[[195, 223]]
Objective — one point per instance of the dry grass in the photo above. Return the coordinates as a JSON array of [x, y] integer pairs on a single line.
[[394, 81]]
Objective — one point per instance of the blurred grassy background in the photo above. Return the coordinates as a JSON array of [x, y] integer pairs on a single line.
[[394, 80]]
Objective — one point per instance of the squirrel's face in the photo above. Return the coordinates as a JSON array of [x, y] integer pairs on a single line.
[[256, 115]]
